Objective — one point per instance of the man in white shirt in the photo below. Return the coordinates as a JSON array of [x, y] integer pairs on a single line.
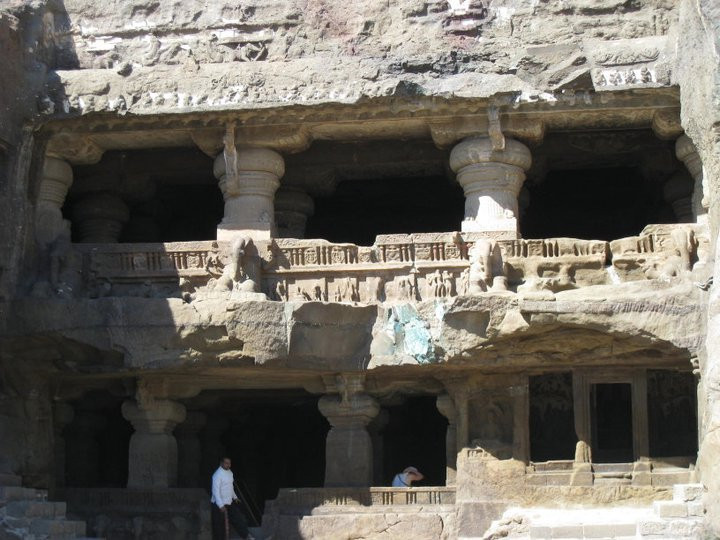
[[224, 510]]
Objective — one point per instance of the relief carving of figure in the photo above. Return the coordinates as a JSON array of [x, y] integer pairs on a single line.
[[347, 290], [685, 245], [281, 292], [242, 276], [487, 271]]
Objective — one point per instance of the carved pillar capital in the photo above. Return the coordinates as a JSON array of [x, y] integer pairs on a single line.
[[155, 416], [355, 412], [248, 179], [100, 217], [56, 179], [292, 208], [153, 455], [491, 179]]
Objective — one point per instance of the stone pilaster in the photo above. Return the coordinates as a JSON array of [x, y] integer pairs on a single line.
[[190, 450], [376, 429], [99, 217], [521, 419], [292, 208], [57, 177], [688, 154], [248, 179], [491, 179], [582, 469], [153, 456], [348, 448], [446, 406]]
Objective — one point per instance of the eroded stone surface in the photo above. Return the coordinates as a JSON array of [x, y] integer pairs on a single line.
[[468, 315]]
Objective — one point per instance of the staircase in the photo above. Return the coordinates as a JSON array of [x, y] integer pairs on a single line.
[[26, 513], [678, 519]]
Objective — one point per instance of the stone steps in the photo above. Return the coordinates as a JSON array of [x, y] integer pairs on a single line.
[[26, 513]]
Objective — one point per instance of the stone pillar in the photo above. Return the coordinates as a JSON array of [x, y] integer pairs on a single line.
[[582, 469], [491, 180], [463, 420], [153, 456], [640, 422], [189, 450], [348, 448], [688, 154], [56, 179], [678, 191], [376, 428], [248, 180], [446, 406], [63, 414], [292, 208], [99, 217], [521, 419]]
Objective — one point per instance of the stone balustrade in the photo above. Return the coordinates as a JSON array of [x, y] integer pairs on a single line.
[[401, 267], [373, 496]]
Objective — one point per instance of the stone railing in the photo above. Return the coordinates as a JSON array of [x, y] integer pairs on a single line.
[[141, 262], [308, 498], [415, 267]]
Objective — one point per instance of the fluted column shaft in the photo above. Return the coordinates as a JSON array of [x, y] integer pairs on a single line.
[[491, 180], [99, 217]]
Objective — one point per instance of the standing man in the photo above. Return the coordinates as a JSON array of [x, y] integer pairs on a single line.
[[225, 504]]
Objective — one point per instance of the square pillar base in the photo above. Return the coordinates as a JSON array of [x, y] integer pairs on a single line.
[[259, 233]]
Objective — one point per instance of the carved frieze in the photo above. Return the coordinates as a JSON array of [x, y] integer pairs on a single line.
[[397, 268]]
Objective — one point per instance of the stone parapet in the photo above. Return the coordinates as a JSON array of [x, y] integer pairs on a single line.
[[410, 267], [310, 498], [168, 513]]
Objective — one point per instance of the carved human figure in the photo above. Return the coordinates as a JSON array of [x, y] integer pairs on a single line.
[[448, 284], [487, 271], [281, 291]]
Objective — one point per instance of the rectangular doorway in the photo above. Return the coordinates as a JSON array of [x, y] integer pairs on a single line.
[[611, 421]]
